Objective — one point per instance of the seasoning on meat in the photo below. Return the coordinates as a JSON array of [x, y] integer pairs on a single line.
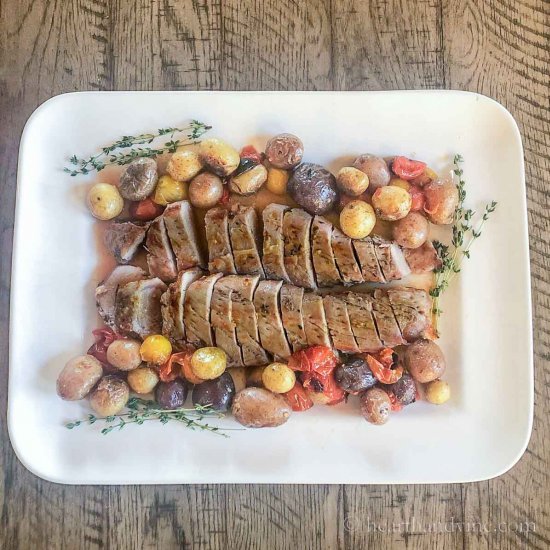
[[324, 264], [338, 321], [391, 259], [291, 312], [345, 258], [160, 257], [220, 256], [366, 255], [360, 310], [388, 329], [245, 240], [273, 245], [315, 322], [296, 232], [123, 239]]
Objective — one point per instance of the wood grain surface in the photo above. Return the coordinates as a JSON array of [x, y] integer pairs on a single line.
[[498, 48]]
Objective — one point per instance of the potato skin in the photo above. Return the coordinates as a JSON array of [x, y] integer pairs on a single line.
[[110, 396], [208, 363], [424, 360], [143, 380], [352, 181], [78, 377], [250, 181], [259, 408], [184, 165], [284, 151], [391, 203], [441, 200], [139, 179], [375, 406], [357, 219], [205, 190], [277, 180], [219, 156], [411, 231], [278, 378], [438, 392], [376, 169], [313, 188], [124, 354], [104, 201]]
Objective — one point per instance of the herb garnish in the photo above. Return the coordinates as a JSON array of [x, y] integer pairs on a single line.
[[465, 232], [84, 166], [141, 410]]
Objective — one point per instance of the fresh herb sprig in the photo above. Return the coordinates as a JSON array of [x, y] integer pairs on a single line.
[[111, 154], [141, 410], [465, 233]]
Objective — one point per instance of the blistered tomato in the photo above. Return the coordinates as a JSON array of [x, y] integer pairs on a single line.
[[407, 169], [318, 359], [417, 198], [298, 399], [145, 210], [250, 152]]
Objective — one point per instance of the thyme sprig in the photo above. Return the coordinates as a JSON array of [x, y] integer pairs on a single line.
[[111, 154], [142, 410], [464, 233]]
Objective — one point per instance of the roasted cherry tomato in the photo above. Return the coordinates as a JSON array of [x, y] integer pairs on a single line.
[[319, 359], [395, 404], [183, 359], [297, 398], [251, 153], [103, 338], [417, 197], [407, 169], [172, 369], [325, 385], [145, 210], [381, 368]]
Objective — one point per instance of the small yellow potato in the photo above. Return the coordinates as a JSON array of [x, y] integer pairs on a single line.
[[156, 349], [208, 363], [352, 181], [398, 182], [278, 378], [277, 180], [219, 156], [124, 354], [105, 201], [169, 190], [391, 203], [438, 392], [357, 219], [184, 165], [143, 380], [250, 181]]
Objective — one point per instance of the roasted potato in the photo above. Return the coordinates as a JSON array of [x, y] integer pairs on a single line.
[[424, 360], [184, 165], [354, 375], [208, 363], [239, 377], [278, 378], [78, 377], [110, 396], [156, 349], [440, 201], [139, 179], [437, 392], [254, 377], [169, 190], [376, 169], [391, 203], [352, 181], [171, 395], [357, 219], [205, 190], [124, 354], [284, 151], [143, 380], [277, 180], [313, 188], [217, 393], [259, 408], [249, 181], [104, 201], [375, 405], [411, 231], [219, 157]]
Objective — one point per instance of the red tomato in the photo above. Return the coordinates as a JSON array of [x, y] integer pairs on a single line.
[[326, 385], [250, 152], [297, 398], [145, 210], [103, 338], [383, 373], [319, 359], [175, 367], [417, 197], [407, 169], [183, 359], [395, 404]]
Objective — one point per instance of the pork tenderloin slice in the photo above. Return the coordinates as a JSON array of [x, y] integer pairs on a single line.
[[422, 259], [291, 311], [315, 322], [196, 310], [245, 240], [180, 225], [391, 259], [386, 323], [324, 264], [360, 310], [273, 243], [344, 255], [123, 239], [413, 310], [137, 312], [270, 325], [339, 324], [172, 302], [105, 293], [244, 316], [223, 324], [297, 247], [366, 254], [160, 258], [220, 256]]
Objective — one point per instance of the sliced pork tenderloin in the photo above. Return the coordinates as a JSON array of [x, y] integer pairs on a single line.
[[422, 259], [360, 310], [270, 325], [386, 323], [123, 239], [324, 264], [291, 298], [160, 257], [413, 310], [105, 293], [339, 324], [273, 242], [245, 240], [391, 259], [137, 312], [366, 255], [297, 246], [180, 226], [315, 322], [344, 255], [220, 256], [196, 310]]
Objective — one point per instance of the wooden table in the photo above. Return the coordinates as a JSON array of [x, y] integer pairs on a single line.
[[498, 48]]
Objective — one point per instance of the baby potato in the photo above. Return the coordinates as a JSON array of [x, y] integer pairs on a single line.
[[277, 180], [250, 181], [398, 182], [375, 405], [208, 363], [411, 231], [254, 377], [352, 181], [169, 190], [284, 151], [184, 165], [239, 377], [441, 200], [278, 378], [424, 360], [104, 201], [357, 219], [219, 156], [143, 380], [78, 377], [110, 396], [124, 354], [391, 203], [259, 408], [139, 178], [156, 349], [205, 190], [376, 169], [438, 392]]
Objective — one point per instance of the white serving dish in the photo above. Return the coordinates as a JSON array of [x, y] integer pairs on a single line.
[[486, 327]]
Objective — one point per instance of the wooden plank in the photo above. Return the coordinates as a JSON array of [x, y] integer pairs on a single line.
[[501, 49]]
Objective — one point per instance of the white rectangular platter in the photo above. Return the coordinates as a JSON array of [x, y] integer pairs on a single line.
[[486, 326]]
